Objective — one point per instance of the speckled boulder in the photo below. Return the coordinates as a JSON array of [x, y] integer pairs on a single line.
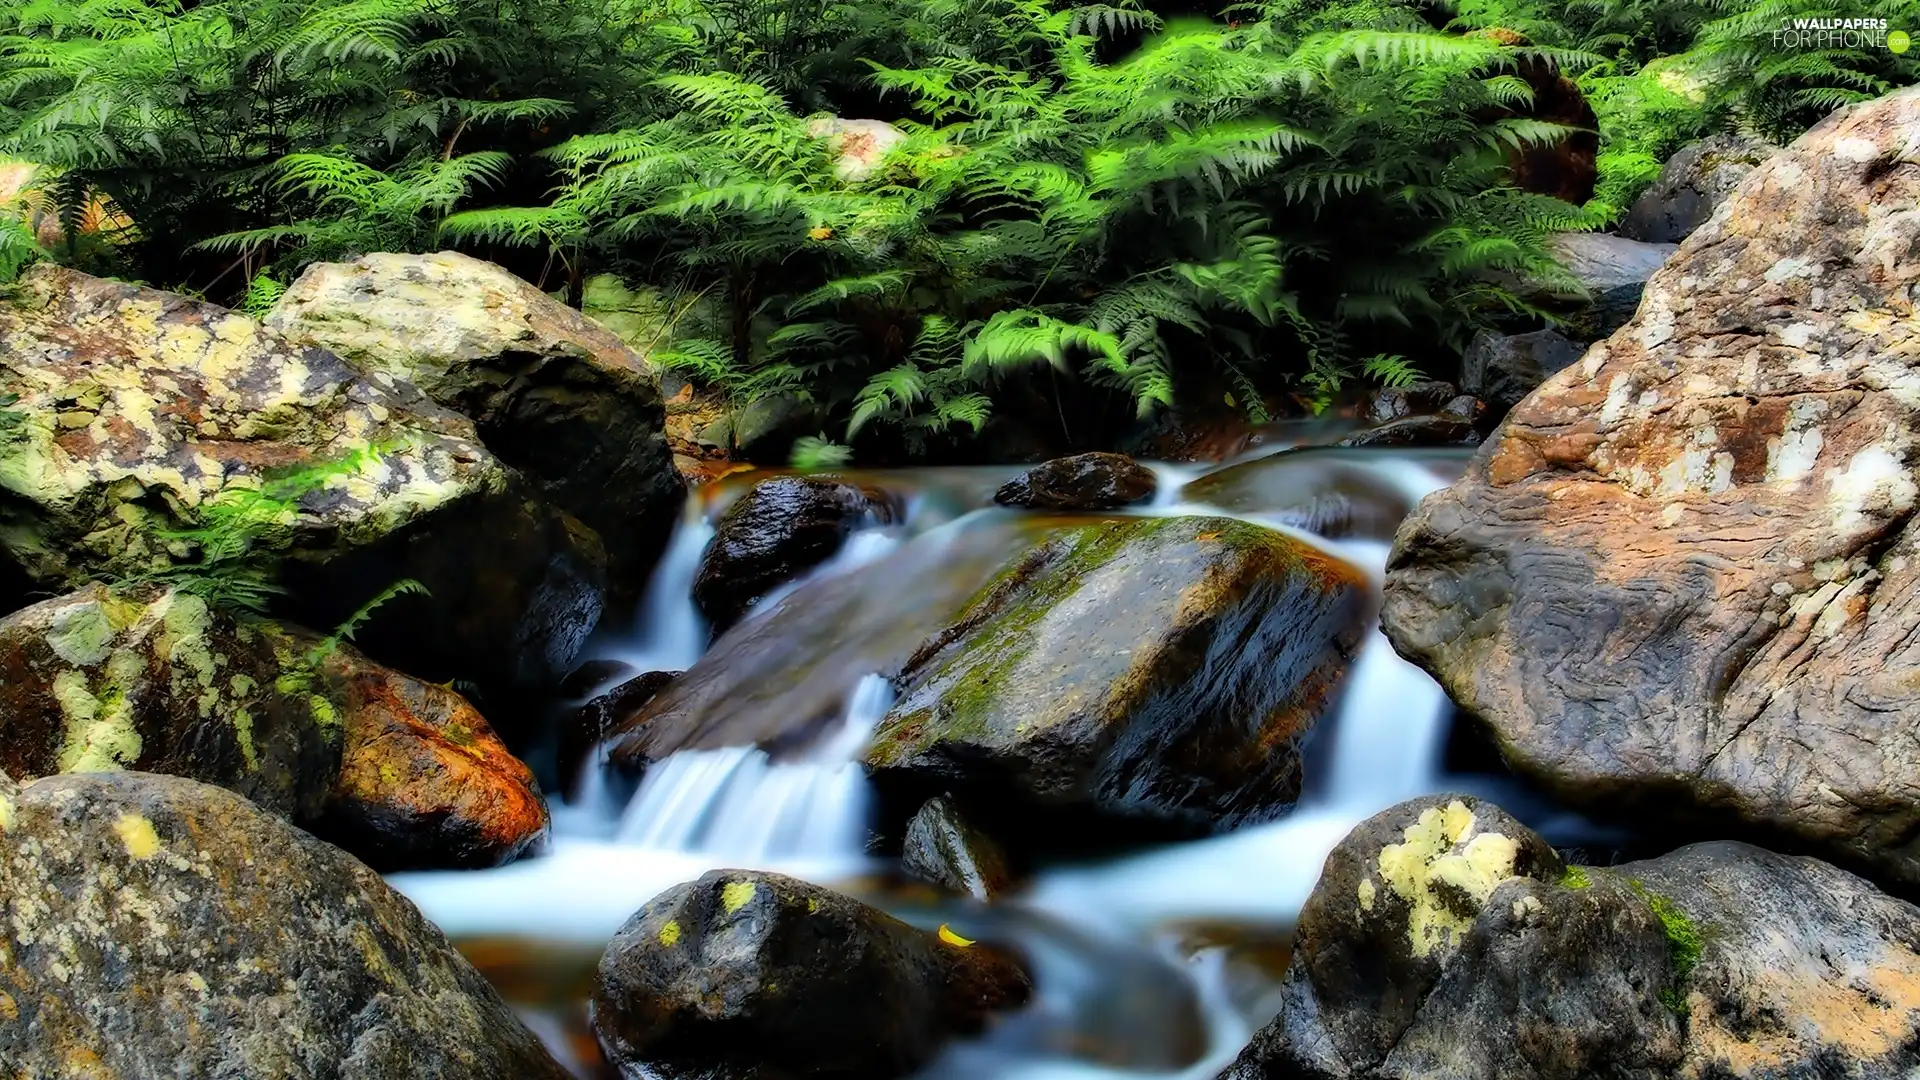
[[141, 408], [1691, 186], [1445, 940], [1153, 668], [745, 975], [554, 394], [402, 771], [1684, 578], [160, 927], [782, 527]]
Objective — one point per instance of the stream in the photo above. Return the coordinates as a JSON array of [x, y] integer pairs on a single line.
[[1156, 964]]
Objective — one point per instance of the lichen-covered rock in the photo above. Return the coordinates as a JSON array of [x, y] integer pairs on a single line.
[[1685, 577], [1719, 960], [1504, 368], [1097, 481], [1154, 668], [140, 409], [157, 926], [553, 394], [754, 976], [1692, 184], [782, 527], [403, 772], [943, 848]]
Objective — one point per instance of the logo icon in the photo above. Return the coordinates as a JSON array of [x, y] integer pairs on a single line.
[[1898, 41]]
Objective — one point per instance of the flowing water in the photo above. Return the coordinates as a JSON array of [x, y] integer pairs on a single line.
[[1154, 966]]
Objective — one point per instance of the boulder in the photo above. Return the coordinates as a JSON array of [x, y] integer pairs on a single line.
[[586, 726], [858, 145], [1612, 271], [553, 393], [1394, 402], [1082, 482], [943, 848], [1446, 940], [1456, 428], [148, 419], [1684, 579], [754, 976], [1691, 186], [158, 926], [781, 528], [1162, 669], [1504, 368], [403, 772]]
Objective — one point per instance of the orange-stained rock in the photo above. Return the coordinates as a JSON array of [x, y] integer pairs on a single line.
[[423, 779]]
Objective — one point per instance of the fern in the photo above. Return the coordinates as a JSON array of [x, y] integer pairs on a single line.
[[353, 623]]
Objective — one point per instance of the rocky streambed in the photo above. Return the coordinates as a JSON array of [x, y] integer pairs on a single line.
[[1585, 753]]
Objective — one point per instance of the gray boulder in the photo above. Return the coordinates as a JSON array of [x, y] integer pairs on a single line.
[[1692, 184], [160, 927], [943, 848], [1504, 368]]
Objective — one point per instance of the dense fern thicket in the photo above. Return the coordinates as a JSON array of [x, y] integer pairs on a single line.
[[1097, 210]]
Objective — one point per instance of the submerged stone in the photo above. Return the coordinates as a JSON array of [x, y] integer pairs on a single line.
[[157, 926], [1081, 482]]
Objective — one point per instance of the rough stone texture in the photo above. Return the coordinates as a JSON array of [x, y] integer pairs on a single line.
[[1717, 961], [553, 393], [1692, 184], [1155, 668], [783, 527], [159, 927], [423, 780], [1505, 368], [1613, 271], [858, 145], [1394, 402], [943, 848], [142, 406], [754, 976], [403, 772], [1682, 578], [1097, 481]]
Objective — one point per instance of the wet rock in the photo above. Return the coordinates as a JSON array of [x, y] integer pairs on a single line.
[[586, 727], [158, 926], [403, 772], [1613, 271], [1394, 402], [1692, 184], [554, 394], [783, 527], [1161, 669], [1082, 482], [1322, 491], [1446, 940], [858, 145], [745, 975], [943, 848], [1444, 429], [423, 781], [143, 409], [1717, 618], [1504, 368]]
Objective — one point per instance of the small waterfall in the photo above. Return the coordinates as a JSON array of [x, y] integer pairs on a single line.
[[669, 633], [736, 802]]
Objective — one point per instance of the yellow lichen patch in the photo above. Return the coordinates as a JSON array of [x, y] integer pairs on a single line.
[[100, 735], [670, 933], [6, 813], [1445, 873], [1367, 892], [735, 895], [137, 834]]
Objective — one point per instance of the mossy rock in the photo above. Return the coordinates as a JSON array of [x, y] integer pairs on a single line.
[[140, 408], [1153, 668]]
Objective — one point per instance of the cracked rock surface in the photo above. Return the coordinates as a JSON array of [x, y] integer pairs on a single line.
[[1681, 578]]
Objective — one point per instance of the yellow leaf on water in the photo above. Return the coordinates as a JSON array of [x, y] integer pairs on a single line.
[[951, 938]]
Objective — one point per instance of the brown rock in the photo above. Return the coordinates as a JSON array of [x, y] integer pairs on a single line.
[[160, 927], [1082, 482], [404, 773], [586, 727], [781, 528], [1685, 575], [943, 848], [745, 975]]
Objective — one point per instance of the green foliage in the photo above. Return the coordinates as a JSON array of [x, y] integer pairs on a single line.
[[326, 646], [230, 554], [263, 292], [814, 452], [1575, 877], [11, 421], [1684, 946]]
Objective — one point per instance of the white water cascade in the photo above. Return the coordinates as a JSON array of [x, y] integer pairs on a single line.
[[737, 807]]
